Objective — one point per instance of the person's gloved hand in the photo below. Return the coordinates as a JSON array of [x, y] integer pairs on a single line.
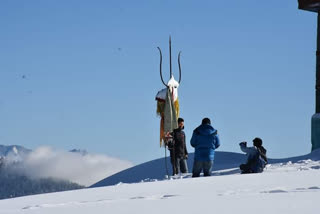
[[243, 143]]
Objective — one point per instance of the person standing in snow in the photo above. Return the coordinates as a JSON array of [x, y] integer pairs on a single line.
[[205, 140], [256, 157], [178, 149]]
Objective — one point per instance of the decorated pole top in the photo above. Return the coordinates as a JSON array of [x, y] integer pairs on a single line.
[[171, 75], [309, 5], [168, 107]]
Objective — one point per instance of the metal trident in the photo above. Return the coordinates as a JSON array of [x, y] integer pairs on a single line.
[[170, 64]]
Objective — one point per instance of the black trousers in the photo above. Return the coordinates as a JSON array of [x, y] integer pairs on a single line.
[[179, 165], [245, 168]]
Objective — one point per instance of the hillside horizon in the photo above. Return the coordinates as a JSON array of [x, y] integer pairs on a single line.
[[156, 169]]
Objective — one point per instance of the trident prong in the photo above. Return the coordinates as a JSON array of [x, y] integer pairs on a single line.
[[179, 67], [161, 67], [170, 63]]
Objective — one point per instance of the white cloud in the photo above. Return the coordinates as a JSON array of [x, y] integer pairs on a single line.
[[82, 169]]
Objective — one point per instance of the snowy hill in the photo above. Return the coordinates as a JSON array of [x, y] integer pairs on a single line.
[[288, 186], [156, 170]]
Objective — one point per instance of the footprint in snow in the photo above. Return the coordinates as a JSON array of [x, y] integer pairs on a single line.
[[65, 204], [300, 189], [306, 189], [275, 191], [168, 196], [138, 197], [31, 207], [154, 197], [315, 187]]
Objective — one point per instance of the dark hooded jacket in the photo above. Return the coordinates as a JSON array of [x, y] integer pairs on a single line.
[[178, 145], [205, 140]]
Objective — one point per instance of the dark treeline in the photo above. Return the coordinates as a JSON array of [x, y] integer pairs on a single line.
[[15, 185]]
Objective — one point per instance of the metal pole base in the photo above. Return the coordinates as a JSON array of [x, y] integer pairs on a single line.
[[315, 131]]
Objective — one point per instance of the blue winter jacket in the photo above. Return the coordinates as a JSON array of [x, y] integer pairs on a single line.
[[205, 140]]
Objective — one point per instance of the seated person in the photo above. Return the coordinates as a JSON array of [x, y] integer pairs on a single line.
[[256, 157]]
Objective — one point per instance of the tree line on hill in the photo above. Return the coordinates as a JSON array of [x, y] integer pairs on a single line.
[[15, 185]]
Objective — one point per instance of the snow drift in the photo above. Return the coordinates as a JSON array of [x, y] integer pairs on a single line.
[[156, 169]]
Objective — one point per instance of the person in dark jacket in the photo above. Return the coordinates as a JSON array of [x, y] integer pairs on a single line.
[[256, 157], [205, 140], [178, 149]]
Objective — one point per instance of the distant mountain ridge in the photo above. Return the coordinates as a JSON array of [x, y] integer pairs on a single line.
[[80, 151], [13, 149], [14, 183], [21, 151]]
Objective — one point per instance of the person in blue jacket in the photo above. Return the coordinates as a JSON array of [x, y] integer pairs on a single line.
[[205, 140]]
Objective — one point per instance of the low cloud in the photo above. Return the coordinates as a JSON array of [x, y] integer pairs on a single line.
[[83, 169]]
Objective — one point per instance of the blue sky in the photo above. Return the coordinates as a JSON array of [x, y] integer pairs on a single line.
[[84, 74]]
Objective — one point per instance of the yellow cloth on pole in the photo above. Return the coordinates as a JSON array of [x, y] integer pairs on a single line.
[[171, 117]]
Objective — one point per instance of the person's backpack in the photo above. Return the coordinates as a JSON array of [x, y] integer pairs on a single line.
[[261, 159], [263, 154], [258, 163]]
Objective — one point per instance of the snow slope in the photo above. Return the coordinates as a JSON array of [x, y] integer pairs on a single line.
[[291, 186], [156, 170]]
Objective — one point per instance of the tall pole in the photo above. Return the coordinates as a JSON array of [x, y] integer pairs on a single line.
[[315, 121], [170, 56], [318, 68], [314, 6]]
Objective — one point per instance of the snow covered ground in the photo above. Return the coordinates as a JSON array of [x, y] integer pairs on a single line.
[[155, 169], [285, 187]]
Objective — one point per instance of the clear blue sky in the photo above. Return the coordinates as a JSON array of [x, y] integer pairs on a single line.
[[84, 74]]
